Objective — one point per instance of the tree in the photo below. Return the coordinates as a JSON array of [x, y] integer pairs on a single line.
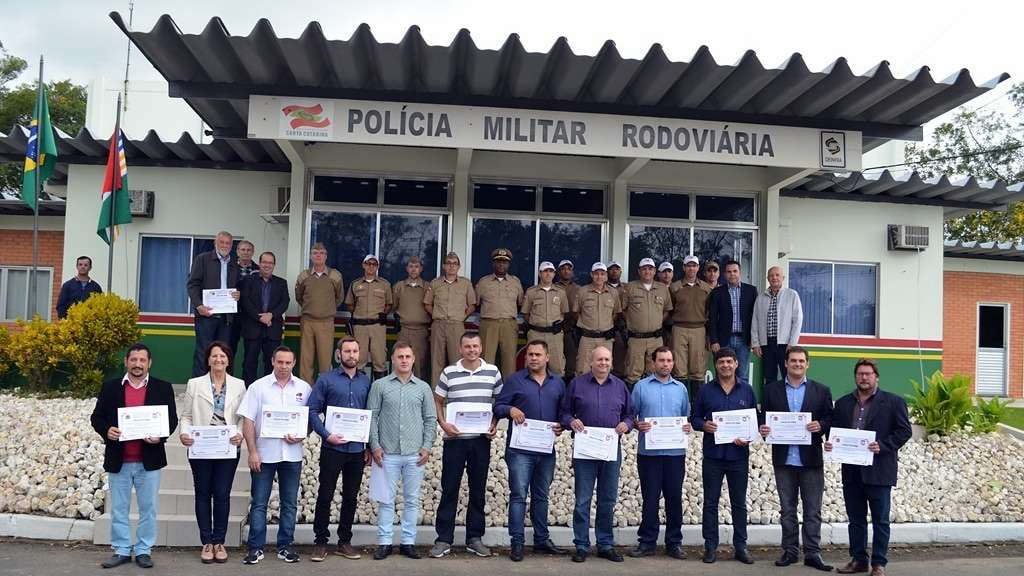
[[987, 145]]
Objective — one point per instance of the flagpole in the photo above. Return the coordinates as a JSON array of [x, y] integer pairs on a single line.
[[31, 312], [115, 142]]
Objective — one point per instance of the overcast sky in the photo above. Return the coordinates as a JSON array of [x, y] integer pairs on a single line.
[[81, 42]]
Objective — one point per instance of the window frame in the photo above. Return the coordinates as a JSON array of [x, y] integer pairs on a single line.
[[539, 186], [191, 250], [379, 204], [832, 308], [5, 268]]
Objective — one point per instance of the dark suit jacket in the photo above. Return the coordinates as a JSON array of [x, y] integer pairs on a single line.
[[817, 401], [205, 275], [720, 313], [104, 415], [888, 417], [252, 306]]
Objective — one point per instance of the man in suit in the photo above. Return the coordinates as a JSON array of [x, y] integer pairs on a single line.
[[799, 469], [730, 316], [133, 463], [264, 302], [870, 408], [210, 271]]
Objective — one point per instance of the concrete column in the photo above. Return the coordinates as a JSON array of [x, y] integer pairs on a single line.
[[297, 257], [618, 237], [773, 221], [460, 206]]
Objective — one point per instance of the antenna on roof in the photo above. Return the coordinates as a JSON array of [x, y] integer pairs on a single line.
[[128, 56]]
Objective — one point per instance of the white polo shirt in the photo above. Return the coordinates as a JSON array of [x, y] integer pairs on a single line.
[[266, 392]]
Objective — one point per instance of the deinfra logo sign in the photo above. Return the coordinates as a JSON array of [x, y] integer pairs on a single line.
[[309, 120], [833, 150]]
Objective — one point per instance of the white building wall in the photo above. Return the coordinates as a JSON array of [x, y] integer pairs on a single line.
[[910, 284], [188, 202]]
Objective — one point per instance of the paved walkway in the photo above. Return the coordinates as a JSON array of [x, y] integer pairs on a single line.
[[23, 558]]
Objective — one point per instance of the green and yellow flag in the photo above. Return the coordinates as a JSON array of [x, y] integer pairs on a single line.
[[41, 155]]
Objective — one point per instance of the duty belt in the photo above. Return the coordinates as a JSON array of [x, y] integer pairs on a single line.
[[604, 334], [655, 334], [366, 321], [555, 328]]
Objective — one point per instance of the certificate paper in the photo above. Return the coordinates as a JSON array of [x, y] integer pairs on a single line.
[[788, 427], [469, 417], [850, 446], [596, 444], [143, 422], [534, 436], [733, 424], [351, 424], [278, 422], [212, 442], [666, 433], [220, 301]]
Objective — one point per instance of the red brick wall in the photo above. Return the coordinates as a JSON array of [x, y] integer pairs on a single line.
[[962, 292], [17, 250]]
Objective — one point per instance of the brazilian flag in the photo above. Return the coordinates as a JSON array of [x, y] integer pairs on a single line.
[[41, 155]]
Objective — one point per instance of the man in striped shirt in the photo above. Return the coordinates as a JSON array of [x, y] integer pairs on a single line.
[[471, 379]]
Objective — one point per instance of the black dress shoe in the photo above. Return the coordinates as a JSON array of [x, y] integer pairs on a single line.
[[676, 552], [516, 555], [641, 551], [815, 562], [786, 559], [743, 555], [710, 555], [115, 561], [144, 561], [548, 547], [409, 551], [610, 554], [579, 556], [382, 552]]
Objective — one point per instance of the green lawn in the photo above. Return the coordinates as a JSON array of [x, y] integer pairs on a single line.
[[1014, 417]]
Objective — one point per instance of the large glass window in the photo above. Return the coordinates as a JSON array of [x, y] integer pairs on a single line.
[[164, 265], [406, 235], [726, 208], [14, 292], [576, 241], [659, 243], [837, 298], [348, 237], [345, 189], [648, 204], [424, 193], [569, 200], [514, 197], [516, 234], [724, 245]]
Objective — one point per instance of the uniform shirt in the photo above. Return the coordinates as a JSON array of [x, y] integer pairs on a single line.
[[368, 298], [404, 417], [690, 302], [460, 384], [712, 398], [319, 294], [545, 306], [499, 298], [653, 398], [599, 405], [336, 388], [596, 308], [265, 393], [538, 402], [645, 309], [795, 399], [408, 298], [450, 299]]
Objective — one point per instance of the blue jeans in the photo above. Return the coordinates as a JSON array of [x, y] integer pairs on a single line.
[[147, 486], [858, 497], [742, 356], [404, 468], [713, 471], [606, 476], [288, 488], [208, 329], [212, 480], [528, 472]]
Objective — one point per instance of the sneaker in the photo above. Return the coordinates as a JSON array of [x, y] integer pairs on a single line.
[[383, 551], [287, 555], [253, 557], [440, 549], [476, 546], [116, 560], [319, 553], [144, 561]]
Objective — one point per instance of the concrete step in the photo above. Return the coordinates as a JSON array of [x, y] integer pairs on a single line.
[[171, 530], [179, 477], [178, 501]]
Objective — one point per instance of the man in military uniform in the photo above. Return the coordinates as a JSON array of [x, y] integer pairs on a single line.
[[448, 300], [666, 272], [369, 299], [319, 291], [645, 304], [619, 342], [412, 315], [711, 273], [567, 283], [597, 306], [544, 309], [689, 317], [499, 296]]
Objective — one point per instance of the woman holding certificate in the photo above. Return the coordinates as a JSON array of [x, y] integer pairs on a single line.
[[211, 430]]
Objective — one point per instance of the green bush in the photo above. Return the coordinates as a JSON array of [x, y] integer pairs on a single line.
[[5, 353], [987, 414], [35, 351], [944, 405], [93, 336]]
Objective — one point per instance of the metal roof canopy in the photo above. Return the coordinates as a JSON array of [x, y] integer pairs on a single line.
[[957, 196], [1007, 251], [216, 73]]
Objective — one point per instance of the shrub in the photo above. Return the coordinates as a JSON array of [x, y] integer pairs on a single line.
[[987, 414], [5, 353], [35, 350], [944, 405], [93, 336]]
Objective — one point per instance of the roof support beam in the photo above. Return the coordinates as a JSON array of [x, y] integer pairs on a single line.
[[852, 197]]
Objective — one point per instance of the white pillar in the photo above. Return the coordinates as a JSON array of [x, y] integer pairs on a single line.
[[618, 237], [460, 206], [297, 257]]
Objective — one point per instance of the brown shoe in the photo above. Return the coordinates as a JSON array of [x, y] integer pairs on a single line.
[[878, 570], [207, 554], [220, 554], [319, 553], [853, 567], [347, 551]]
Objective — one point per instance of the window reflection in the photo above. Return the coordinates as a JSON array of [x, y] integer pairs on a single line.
[[579, 242], [659, 243], [517, 235], [348, 238], [724, 245], [405, 236]]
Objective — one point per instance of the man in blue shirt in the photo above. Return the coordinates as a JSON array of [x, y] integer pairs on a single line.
[[799, 469], [533, 393], [343, 387], [724, 461], [661, 471], [78, 288]]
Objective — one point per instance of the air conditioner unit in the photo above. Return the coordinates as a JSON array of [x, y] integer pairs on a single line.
[[142, 203], [281, 204], [907, 237], [284, 197]]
